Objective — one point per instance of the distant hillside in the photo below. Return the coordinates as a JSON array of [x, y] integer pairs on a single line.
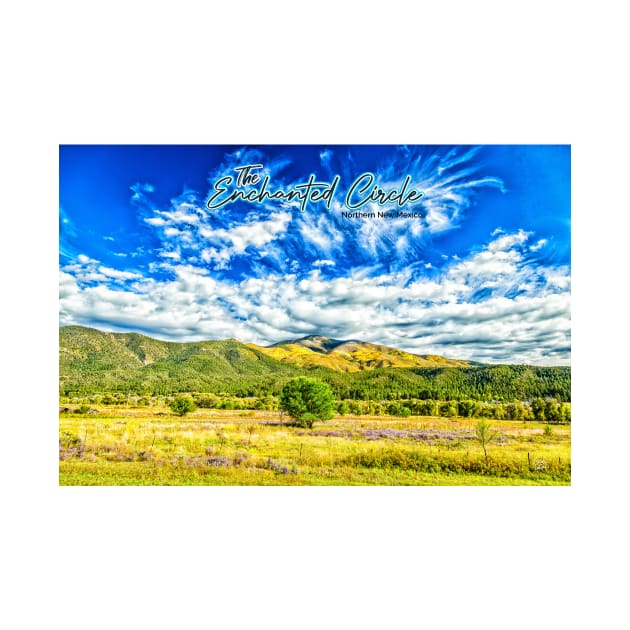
[[93, 361], [350, 356]]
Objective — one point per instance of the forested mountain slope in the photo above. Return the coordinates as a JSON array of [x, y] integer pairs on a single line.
[[91, 361]]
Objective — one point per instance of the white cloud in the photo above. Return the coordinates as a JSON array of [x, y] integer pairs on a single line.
[[139, 191], [172, 255], [440, 315], [156, 221], [449, 183], [539, 245], [89, 270], [255, 233], [508, 241], [183, 212], [319, 233], [119, 275], [228, 242]]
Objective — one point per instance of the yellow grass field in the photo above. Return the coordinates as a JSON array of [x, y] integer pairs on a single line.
[[151, 446]]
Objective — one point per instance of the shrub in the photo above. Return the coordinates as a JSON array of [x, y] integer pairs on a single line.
[[181, 405]]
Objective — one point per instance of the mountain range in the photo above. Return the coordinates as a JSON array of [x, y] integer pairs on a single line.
[[94, 349], [92, 360]]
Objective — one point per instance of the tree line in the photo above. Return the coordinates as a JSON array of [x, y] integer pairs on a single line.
[[503, 383], [539, 409]]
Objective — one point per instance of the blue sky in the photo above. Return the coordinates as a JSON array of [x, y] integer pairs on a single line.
[[483, 271]]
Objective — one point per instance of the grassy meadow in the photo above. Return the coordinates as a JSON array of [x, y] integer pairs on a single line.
[[118, 445]]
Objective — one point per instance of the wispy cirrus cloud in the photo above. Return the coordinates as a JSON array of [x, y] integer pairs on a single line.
[[447, 178]]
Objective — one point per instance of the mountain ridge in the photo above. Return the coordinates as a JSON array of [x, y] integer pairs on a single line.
[[340, 355], [350, 355], [92, 361]]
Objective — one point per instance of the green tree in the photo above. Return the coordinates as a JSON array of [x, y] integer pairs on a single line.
[[342, 408], [307, 400], [404, 411], [515, 411], [553, 412], [448, 409], [538, 409], [354, 408], [181, 405], [431, 408], [466, 408]]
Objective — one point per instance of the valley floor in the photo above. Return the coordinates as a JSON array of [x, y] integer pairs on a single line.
[[150, 446]]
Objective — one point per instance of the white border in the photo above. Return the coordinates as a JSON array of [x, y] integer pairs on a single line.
[[306, 557]]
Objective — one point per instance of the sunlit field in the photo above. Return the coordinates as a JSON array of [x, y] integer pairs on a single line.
[[152, 446]]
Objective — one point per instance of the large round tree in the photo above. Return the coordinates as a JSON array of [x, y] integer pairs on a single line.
[[307, 400]]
